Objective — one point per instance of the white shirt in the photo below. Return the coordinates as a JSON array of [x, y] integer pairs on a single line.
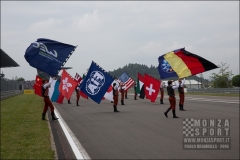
[[162, 85], [183, 82], [48, 84]]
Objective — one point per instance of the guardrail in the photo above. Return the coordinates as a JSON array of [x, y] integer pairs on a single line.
[[8, 94], [215, 90]]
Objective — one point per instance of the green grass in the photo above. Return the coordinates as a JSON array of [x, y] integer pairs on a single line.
[[23, 134], [214, 94]]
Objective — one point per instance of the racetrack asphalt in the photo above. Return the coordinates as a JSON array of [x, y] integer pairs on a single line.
[[141, 131]]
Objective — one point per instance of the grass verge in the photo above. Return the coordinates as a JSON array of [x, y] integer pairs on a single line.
[[23, 134]]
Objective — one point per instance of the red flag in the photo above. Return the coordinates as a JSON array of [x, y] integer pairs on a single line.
[[83, 95], [38, 86], [67, 85], [151, 87]]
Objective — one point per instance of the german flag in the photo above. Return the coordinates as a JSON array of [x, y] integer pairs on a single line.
[[181, 63]]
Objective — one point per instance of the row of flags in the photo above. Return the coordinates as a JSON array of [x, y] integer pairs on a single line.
[[50, 56], [97, 85]]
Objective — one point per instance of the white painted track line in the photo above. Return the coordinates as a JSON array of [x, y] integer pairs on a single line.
[[77, 148]]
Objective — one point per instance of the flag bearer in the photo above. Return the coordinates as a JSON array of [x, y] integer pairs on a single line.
[[181, 93], [126, 94], [172, 99], [77, 89], [162, 92], [122, 90], [47, 102], [115, 97], [135, 91]]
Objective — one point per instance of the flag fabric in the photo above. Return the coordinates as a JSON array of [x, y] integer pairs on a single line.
[[151, 87], [82, 94], [126, 80], [96, 83], [48, 55], [54, 93], [78, 78], [38, 86], [67, 85], [140, 86], [109, 94], [181, 63]]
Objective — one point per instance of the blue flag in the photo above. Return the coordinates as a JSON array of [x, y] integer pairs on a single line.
[[96, 83], [164, 69], [124, 77], [48, 55]]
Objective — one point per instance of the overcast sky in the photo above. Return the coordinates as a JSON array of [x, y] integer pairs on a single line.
[[116, 33]]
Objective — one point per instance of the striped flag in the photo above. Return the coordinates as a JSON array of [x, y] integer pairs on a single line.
[[54, 93], [181, 63], [78, 78], [126, 80]]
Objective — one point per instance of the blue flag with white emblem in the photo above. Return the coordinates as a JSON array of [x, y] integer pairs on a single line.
[[96, 83], [164, 69], [48, 55]]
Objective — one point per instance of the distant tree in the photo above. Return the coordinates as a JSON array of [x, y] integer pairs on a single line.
[[20, 79], [236, 81], [223, 78]]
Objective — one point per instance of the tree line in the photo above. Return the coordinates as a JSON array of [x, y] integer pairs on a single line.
[[133, 69]]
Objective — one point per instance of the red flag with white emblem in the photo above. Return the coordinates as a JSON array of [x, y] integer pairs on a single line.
[[67, 85], [151, 87]]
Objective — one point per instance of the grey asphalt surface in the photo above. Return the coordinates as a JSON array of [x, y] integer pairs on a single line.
[[141, 131]]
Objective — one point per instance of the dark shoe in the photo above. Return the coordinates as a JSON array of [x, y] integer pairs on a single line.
[[174, 114], [122, 103], [69, 102], [43, 116], [115, 109], [53, 116], [167, 112], [77, 104], [161, 101], [182, 108]]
